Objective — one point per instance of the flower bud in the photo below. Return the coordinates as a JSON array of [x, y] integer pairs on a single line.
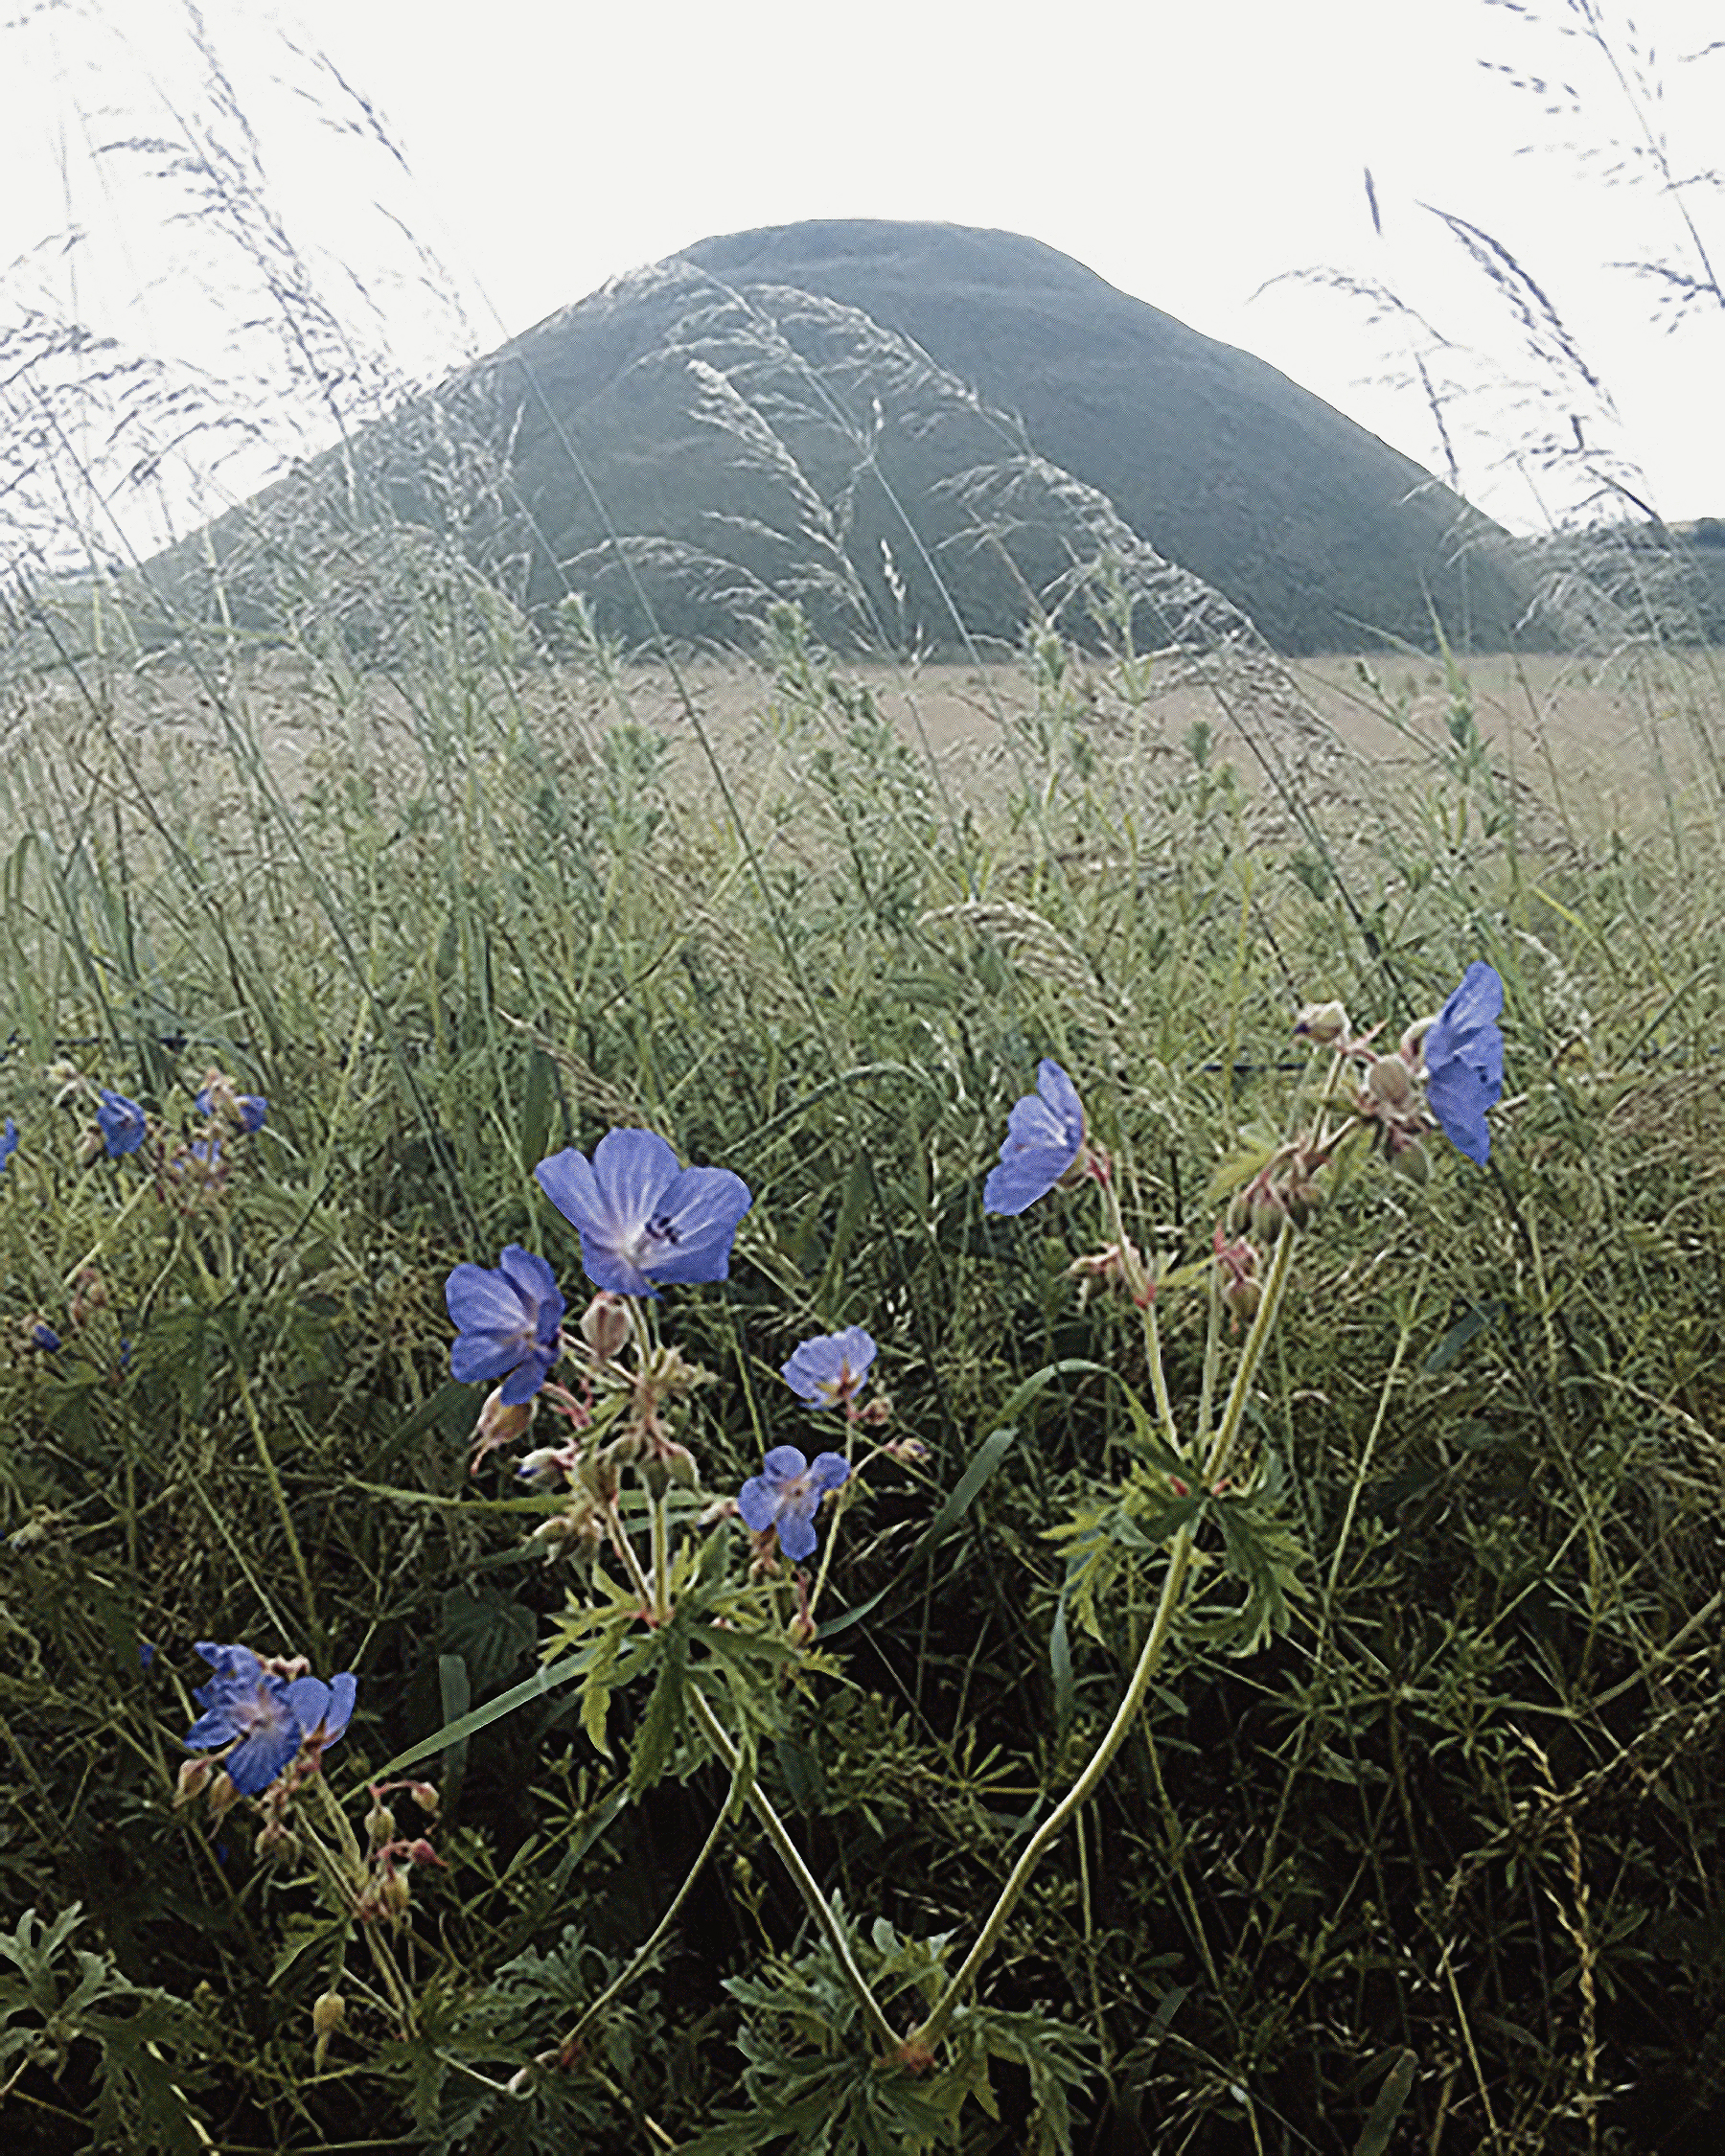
[[395, 1895], [541, 1465], [909, 1451], [194, 1779], [223, 1795], [425, 1795], [499, 1424], [1413, 1161], [1242, 1295], [1390, 1081], [598, 1476], [679, 1462], [1268, 1212], [380, 1824], [420, 1851], [1322, 1023], [329, 2011], [879, 1411], [606, 1324]]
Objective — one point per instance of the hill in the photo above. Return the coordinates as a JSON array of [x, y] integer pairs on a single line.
[[861, 413]]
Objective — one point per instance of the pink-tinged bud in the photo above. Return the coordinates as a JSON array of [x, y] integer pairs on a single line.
[[420, 1851], [800, 1631], [1412, 1042], [195, 1776], [395, 1895], [1390, 1081], [380, 1826], [425, 1795], [223, 1795], [1325, 1024], [912, 1452], [90, 1145], [329, 2011], [606, 1324], [1268, 1213]]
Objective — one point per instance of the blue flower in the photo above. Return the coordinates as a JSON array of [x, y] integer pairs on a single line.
[[643, 1221], [250, 1107], [322, 1711], [831, 1369], [1044, 1134], [250, 1708], [786, 1493], [1464, 1061], [509, 1324], [121, 1122], [9, 1142], [39, 1333]]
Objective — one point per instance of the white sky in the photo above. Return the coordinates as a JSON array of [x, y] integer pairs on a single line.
[[1190, 151]]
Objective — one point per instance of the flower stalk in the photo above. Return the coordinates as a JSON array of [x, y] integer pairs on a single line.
[[1167, 1608]]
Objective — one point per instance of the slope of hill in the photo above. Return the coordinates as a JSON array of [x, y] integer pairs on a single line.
[[863, 413]]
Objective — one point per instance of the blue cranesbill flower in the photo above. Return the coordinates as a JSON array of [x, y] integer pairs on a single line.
[[250, 1107], [9, 1142], [1463, 1052], [121, 1122], [248, 1707], [41, 1335], [644, 1221], [509, 1322], [832, 1370], [785, 1494], [1045, 1134]]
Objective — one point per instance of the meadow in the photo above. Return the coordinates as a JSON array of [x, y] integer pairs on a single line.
[[1410, 1839]]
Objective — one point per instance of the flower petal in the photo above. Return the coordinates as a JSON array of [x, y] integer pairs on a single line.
[[701, 1208], [784, 1464], [830, 1471], [633, 1170], [534, 1281], [308, 1698], [797, 1531], [758, 1503], [344, 1690], [255, 1763], [480, 1300]]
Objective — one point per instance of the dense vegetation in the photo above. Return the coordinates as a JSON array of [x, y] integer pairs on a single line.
[[1435, 1861]]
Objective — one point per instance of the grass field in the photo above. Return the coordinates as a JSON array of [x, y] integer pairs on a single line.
[[1412, 1827]]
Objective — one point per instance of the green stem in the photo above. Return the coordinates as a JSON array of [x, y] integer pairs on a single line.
[[644, 1951], [1140, 1281], [804, 1880], [268, 1461], [661, 1560], [1173, 1589]]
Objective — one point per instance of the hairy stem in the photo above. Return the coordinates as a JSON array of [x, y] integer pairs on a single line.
[[780, 1835], [1173, 1592]]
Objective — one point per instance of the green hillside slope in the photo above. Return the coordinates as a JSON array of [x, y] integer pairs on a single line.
[[885, 421]]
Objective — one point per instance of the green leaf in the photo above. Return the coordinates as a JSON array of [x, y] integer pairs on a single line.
[[662, 1723], [1387, 2109], [456, 1694], [1460, 1334], [466, 1725], [492, 1634]]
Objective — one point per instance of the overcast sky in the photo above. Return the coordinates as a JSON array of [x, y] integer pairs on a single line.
[[1191, 154]]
